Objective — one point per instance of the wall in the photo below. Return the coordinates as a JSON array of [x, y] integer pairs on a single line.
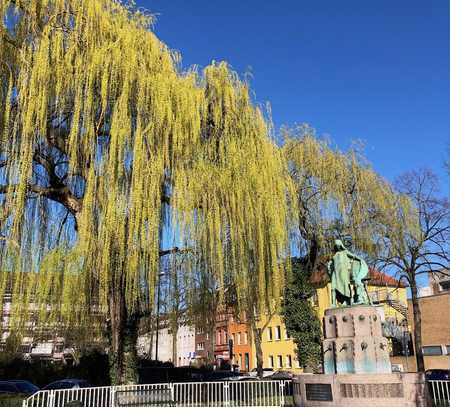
[[435, 311]]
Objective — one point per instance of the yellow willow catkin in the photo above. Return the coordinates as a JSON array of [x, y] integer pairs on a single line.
[[97, 92], [340, 189]]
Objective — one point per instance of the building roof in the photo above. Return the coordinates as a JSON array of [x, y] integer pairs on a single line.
[[378, 278]]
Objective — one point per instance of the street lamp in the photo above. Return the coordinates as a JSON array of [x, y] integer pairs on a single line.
[[158, 300]]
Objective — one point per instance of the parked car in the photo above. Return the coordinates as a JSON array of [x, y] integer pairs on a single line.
[[24, 386], [267, 371], [280, 375], [67, 384], [8, 388], [437, 374]]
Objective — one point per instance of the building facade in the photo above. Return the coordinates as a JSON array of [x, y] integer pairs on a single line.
[[185, 346], [241, 343], [278, 349], [435, 318]]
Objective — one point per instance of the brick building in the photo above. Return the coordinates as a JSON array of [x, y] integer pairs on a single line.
[[435, 332]]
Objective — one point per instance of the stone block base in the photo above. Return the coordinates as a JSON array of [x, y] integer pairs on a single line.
[[361, 390]]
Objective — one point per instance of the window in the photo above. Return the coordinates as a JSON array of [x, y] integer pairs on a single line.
[[245, 338], [315, 299], [233, 336], [277, 332], [238, 338], [432, 350], [269, 333], [247, 362], [280, 360], [199, 330], [201, 346], [448, 349], [445, 285], [270, 361], [288, 361], [219, 337], [286, 335]]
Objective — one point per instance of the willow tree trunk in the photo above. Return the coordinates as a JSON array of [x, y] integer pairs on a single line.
[[174, 344], [257, 334], [123, 338], [211, 357], [417, 316]]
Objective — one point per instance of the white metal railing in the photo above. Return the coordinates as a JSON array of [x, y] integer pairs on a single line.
[[260, 393], [440, 392]]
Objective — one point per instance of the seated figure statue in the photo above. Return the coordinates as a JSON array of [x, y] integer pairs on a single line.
[[347, 272]]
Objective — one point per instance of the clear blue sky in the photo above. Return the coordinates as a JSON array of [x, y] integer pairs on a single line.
[[374, 71]]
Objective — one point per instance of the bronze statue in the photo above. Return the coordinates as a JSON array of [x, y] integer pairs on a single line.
[[347, 272]]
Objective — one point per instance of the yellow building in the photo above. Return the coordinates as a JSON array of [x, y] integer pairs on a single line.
[[279, 351]]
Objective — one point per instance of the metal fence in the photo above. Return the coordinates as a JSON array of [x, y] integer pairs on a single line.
[[440, 392], [199, 394]]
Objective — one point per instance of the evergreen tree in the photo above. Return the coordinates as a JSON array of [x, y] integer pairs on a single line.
[[302, 322]]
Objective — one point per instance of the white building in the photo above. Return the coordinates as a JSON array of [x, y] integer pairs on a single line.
[[185, 346]]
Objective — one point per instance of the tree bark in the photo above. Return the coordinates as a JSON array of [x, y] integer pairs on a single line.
[[174, 344], [123, 336], [212, 343], [258, 348], [417, 327]]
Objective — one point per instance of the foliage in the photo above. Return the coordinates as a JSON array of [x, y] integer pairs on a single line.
[[338, 195], [300, 317], [98, 118], [7, 400], [101, 135]]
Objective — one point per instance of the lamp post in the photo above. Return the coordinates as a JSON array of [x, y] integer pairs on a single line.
[[158, 300]]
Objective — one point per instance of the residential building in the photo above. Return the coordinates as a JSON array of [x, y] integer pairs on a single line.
[[146, 345], [203, 346], [278, 349], [241, 343], [439, 282], [435, 320], [185, 345], [41, 343], [222, 345]]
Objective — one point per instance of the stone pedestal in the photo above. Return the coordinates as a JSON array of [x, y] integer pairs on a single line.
[[357, 367], [354, 342], [361, 390]]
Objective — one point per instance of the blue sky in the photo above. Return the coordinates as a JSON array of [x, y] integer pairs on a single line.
[[355, 70]]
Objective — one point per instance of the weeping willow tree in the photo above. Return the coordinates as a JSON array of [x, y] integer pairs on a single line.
[[338, 195], [103, 135]]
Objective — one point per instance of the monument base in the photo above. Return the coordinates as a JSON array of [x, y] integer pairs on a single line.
[[361, 390]]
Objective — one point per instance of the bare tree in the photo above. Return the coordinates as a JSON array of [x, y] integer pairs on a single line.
[[417, 243]]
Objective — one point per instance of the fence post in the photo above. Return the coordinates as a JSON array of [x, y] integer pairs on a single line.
[[282, 387], [226, 393], [172, 390], [113, 396], [52, 398]]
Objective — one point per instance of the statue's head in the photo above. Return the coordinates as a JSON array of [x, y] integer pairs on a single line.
[[338, 245]]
